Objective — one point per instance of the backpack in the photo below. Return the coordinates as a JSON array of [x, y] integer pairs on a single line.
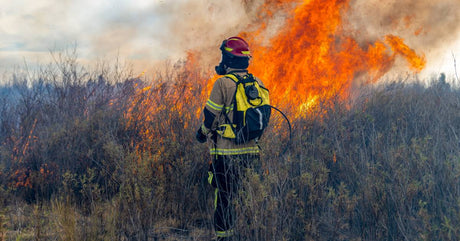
[[251, 111]]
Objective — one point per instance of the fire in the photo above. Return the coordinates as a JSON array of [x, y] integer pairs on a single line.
[[167, 107], [314, 58], [398, 46]]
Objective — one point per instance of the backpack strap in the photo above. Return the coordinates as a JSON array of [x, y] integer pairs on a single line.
[[248, 78], [233, 77], [227, 119], [244, 95]]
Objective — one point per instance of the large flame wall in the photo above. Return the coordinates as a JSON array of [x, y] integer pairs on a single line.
[[314, 56]]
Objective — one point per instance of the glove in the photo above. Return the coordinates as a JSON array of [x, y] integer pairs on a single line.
[[200, 137]]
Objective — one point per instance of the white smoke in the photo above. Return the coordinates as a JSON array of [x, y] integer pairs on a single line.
[[146, 32], [429, 27]]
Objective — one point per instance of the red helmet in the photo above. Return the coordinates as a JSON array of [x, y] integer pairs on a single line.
[[236, 46]]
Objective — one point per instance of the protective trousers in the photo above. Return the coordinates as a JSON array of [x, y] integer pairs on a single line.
[[225, 176]]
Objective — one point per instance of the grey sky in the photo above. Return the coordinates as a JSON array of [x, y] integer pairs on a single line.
[[31, 29]]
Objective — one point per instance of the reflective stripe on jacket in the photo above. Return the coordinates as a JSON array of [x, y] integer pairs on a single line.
[[221, 99]]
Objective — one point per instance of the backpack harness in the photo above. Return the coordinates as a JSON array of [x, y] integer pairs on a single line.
[[251, 111]]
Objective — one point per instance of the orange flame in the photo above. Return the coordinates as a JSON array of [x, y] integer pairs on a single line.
[[168, 107], [397, 44], [314, 58]]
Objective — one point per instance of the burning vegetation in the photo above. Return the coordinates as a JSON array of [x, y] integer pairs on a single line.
[[102, 155], [314, 57]]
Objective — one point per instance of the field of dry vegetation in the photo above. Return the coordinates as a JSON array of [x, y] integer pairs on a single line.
[[99, 155]]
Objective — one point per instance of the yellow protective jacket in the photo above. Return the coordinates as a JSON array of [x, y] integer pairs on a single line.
[[221, 99]]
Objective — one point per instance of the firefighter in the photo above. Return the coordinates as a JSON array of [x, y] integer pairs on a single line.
[[228, 159]]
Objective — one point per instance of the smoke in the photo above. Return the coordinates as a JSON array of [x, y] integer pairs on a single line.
[[202, 25], [170, 29], [148, 32], [429, 27], [422, 22], [143, 32]]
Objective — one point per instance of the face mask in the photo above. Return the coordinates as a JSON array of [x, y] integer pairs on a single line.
[[221, 69]]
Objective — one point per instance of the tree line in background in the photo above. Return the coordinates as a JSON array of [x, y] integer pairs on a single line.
[[103, 156]]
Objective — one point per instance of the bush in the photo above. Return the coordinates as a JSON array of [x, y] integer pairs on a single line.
[[120, 154]]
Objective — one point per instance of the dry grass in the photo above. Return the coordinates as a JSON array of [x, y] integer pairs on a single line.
[[92, 158]]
